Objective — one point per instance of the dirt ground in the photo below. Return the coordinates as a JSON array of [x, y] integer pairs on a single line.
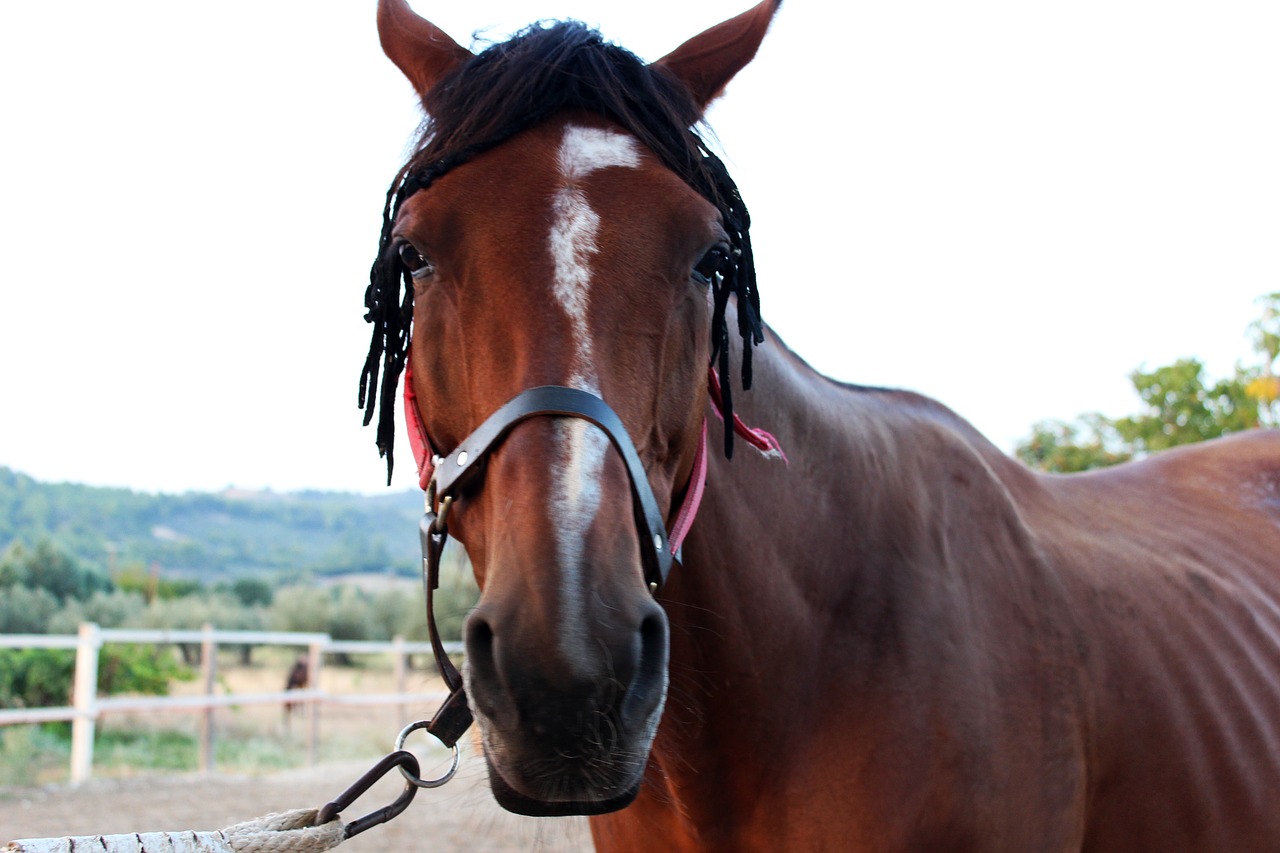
[[459, 816]]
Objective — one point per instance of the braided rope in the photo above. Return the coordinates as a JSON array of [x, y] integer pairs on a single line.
[[288, 832]]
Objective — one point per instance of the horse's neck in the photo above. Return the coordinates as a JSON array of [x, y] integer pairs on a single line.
[[868, 478], [832, 550]]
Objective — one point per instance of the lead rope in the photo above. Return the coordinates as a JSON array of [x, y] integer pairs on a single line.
[[288, 832], [297, 831]]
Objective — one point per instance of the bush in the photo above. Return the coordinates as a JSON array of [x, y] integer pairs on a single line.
[[135, 577], [300, 608], [26, 611], [129, 668], [36, 678], [31, 753], [49, 569], [108, 609], [253, 592], [41, 678], [221, 610]]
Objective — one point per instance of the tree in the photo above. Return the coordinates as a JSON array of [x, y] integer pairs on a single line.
[[135, 577], [192, 612], [1091, 441], [1182, 406], [253, 591], [1264, 386], [24, 610], [37, 678], [116, 609], [50, 569]]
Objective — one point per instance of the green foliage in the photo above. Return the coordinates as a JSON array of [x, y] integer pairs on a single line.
[[151, 585], [348, 613], [35, 678], [213, 536], [300, 608], [1181, 406], [49, 568], [222, 610], [26, 611], [131, 668], [1265, 331], [1059, 447], [350, 616], [146, 749], [117, 609], [253, 591], [31, 752], [1264, 386]]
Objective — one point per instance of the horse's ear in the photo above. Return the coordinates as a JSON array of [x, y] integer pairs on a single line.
[[707, 62], [418, 47]]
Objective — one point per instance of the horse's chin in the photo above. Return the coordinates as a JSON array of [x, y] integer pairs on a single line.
[[591, 786], [518, 803]]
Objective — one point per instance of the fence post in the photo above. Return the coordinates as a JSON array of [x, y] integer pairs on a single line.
[[209, 671], [85, 699], [315, 658], [398, 665]]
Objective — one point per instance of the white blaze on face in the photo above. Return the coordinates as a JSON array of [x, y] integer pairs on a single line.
[[572, 242], [574, 226]]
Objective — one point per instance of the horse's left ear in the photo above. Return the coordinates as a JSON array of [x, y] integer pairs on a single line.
[[707, 62]]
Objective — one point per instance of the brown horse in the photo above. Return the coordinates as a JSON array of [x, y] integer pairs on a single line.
[[897, 639]]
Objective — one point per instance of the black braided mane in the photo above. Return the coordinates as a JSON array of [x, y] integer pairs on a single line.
[[513, 86]]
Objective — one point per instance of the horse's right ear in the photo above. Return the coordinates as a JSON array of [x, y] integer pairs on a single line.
[[418, 47]]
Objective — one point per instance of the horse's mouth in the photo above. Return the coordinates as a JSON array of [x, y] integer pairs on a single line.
[[565, 799], [529, 778]]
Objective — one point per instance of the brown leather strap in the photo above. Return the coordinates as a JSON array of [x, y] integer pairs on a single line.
[[553, 400], [453, 718]]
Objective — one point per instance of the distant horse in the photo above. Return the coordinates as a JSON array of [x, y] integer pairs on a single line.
[[299, 678], [896, 639]]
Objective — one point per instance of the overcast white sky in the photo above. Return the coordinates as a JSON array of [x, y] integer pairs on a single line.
[[1007, 205]]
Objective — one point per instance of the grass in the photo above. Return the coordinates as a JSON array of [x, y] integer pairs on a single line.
[[34, 754], [253, 740]]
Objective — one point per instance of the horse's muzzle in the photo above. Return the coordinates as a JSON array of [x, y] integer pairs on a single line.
[[567, 717]]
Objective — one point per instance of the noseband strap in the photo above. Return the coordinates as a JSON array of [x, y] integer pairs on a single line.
[[556, 400], [463, 465]]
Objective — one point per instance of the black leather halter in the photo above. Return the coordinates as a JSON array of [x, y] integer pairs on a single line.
[[464, 464]]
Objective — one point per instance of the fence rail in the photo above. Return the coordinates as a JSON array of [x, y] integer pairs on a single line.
[[87, 707]]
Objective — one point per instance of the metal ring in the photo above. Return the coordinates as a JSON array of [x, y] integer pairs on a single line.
[[440, 524], [412, 777]]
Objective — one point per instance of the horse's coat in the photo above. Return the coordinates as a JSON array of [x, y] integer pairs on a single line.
[[902, 640]]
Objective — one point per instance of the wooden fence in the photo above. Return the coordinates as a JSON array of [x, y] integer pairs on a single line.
[[87, 707]]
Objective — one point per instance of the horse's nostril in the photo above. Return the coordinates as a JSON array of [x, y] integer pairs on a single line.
[[479, 641], [647, 685]]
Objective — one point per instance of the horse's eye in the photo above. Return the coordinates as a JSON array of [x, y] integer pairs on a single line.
[[713, 263], [413, 260]]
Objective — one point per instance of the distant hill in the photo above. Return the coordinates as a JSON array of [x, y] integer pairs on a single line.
[[215, 536]]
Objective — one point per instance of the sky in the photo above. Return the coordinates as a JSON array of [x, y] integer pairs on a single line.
[[1005, 205]]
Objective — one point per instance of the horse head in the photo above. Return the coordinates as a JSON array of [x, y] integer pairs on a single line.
[[560, 225]]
